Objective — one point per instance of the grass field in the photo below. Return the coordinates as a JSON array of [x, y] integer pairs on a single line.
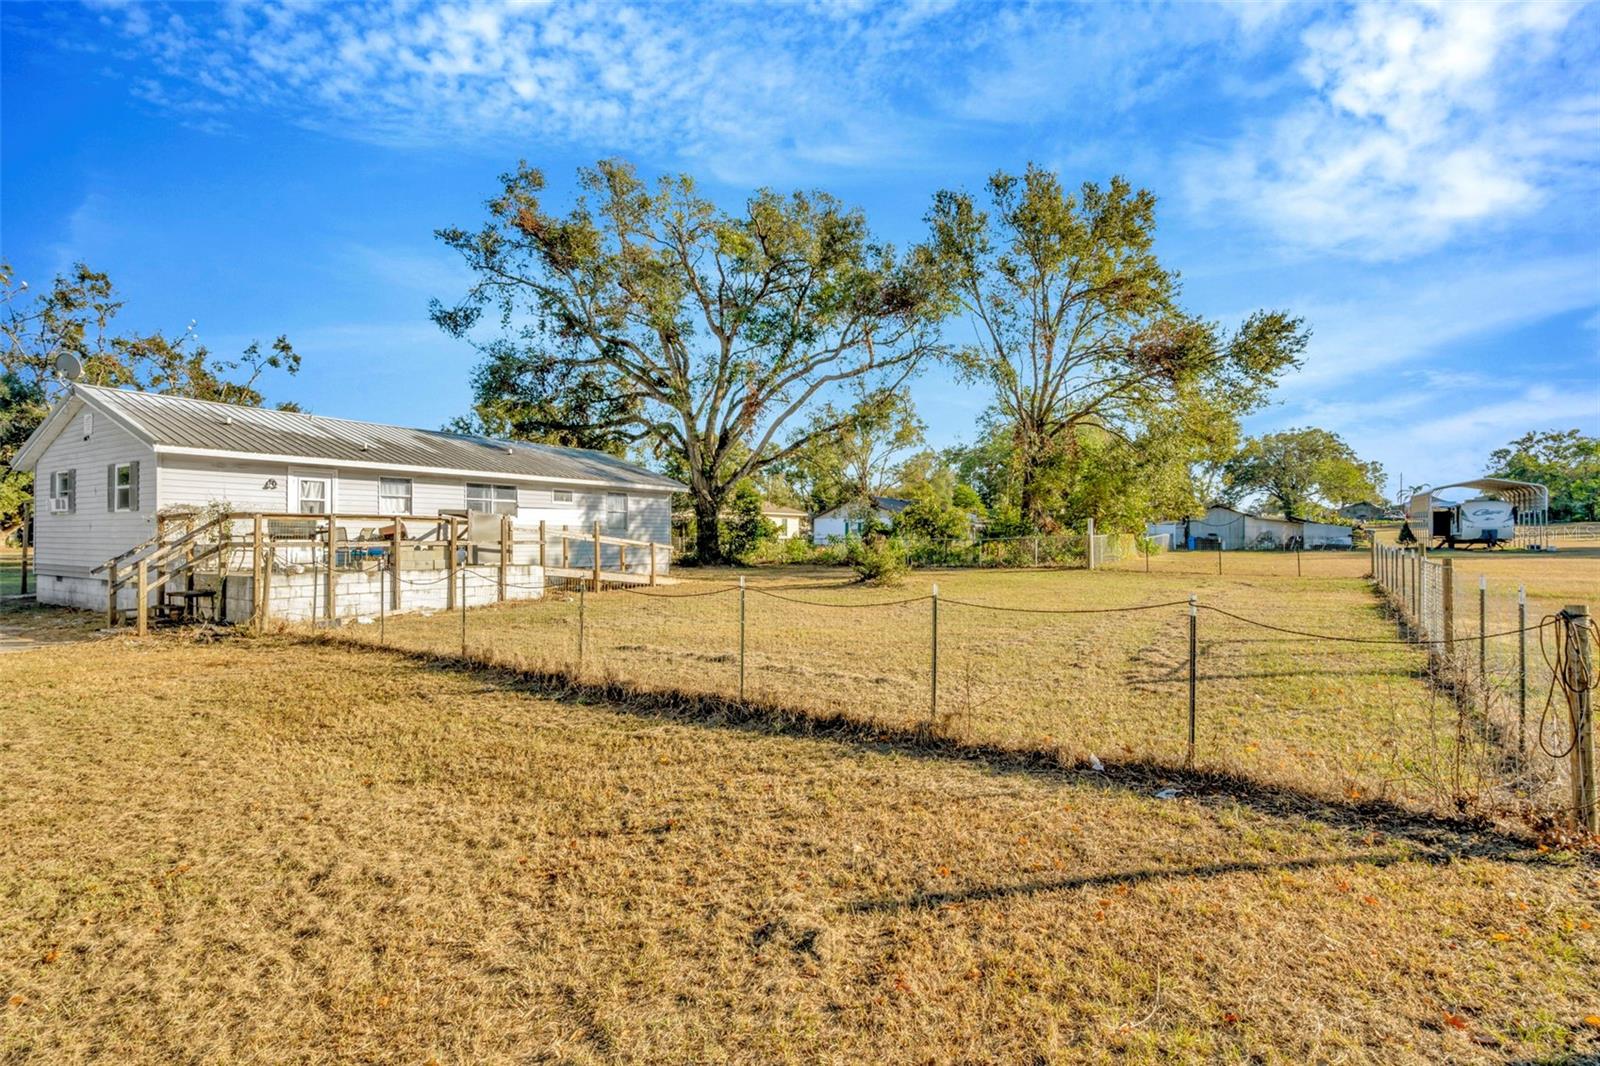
[[266, 850], [11, 571], [1347, 721]]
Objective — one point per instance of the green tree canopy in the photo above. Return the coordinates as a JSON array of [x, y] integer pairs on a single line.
[[1304, 472], [1565, 462], [718, 331], [860, 456], [1078, 324], [74, 316]]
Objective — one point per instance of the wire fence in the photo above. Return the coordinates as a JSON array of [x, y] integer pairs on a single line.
[[1312, 690], [1504, 659]]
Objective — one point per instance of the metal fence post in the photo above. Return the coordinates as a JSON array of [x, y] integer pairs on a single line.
[[1522, 673], [1297, 570], [1194, 657], [463, 612], [933, 692], [383, 595], [741, 638], [1448, 597], [580, 627], [1579, 664], [1219, 556], [1483, 637]]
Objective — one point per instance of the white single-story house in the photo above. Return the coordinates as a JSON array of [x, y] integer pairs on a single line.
[[106, 461], [791, 521], [1232, 529], [838, 523]]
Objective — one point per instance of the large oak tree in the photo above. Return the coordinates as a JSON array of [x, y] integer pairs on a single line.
[[1078, 327], [717, 332]]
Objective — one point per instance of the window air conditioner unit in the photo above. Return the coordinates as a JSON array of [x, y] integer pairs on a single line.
[[59, 504]]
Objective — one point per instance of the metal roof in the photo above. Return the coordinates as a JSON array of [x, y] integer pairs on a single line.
[[180, 424], [1525, 494]]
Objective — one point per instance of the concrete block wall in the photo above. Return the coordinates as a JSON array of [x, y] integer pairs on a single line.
[[297, 597]]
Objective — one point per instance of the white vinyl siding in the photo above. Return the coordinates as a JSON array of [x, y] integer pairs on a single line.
[[71, 544], [394, 495], [491, 499]]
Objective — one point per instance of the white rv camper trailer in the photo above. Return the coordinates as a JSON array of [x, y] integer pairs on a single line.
[[1504, 512]]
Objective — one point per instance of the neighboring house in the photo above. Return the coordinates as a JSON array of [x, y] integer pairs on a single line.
[[838, 523], [1232, 529], [105, 461], [1362, 512], [791, 521]]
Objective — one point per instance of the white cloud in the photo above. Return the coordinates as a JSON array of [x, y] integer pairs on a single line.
[[1422, 120], [1405, 317]]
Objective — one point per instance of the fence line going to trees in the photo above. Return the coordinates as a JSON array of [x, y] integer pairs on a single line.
[[996, 672]]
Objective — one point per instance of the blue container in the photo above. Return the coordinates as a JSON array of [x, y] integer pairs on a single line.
[[1190, 544]]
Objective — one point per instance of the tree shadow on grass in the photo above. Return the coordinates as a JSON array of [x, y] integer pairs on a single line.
[[1458, 836], [987, 893]]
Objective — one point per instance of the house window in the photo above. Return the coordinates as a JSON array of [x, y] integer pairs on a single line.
[[63, 491], [617, 513], [313, 495], [492, 499], [563, 495], [394, 495], [123, 487]]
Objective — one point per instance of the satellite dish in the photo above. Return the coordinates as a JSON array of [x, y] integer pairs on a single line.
[[69, 366]]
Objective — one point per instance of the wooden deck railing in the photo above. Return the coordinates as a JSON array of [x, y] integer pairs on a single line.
[[242, 542]]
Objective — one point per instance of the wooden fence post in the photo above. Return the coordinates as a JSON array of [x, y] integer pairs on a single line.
[[333, 581], [22, 587], [505, 557], [1088, 547], [1579, 663], [257, 591], [142, 610], [450, 566], [597, 555], [396, 537], [652, 563], [541, 543], [111, 595]]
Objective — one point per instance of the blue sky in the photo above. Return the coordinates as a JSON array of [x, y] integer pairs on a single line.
[[1421, 182]]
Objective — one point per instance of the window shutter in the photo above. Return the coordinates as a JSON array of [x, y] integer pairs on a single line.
[[111, 487], [133, 485], [72, 491]]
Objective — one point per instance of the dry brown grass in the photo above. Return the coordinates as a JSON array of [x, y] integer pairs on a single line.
[[271, 851], [1341, 720]]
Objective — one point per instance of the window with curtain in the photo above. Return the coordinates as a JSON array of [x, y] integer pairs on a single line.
[[492, 499], [394, 495], [617, 513], [313, 495]]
